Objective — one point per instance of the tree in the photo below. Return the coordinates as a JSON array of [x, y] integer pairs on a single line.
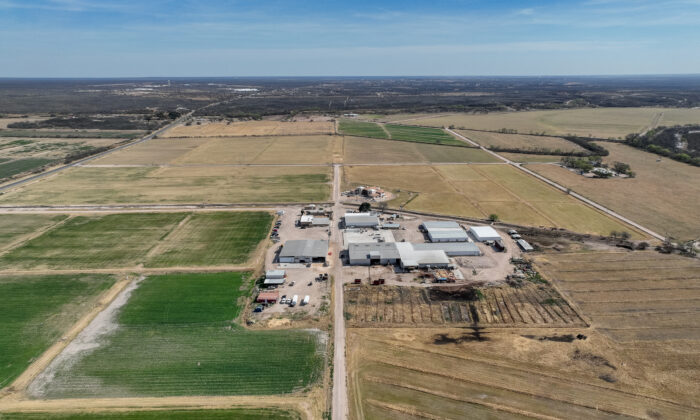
[[365, 207], [493, 217], [625, 235]]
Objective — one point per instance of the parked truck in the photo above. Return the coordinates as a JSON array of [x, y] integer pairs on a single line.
[[306, 300], [295, 300]]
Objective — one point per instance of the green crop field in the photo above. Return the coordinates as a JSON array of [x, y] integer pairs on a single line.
[[362, 129], [114, 240], [14, 167], [129, 239], [15, 226], [227, 414], [195, 184], [36, 310], [177, 336], [422, 135], [213, 239]]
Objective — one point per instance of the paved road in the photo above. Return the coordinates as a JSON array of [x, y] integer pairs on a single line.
[[340, 391], [563, 188]]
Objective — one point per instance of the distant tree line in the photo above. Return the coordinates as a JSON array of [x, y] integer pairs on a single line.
[[681, 143]]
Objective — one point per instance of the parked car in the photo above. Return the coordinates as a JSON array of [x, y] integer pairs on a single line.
[[258, 308]]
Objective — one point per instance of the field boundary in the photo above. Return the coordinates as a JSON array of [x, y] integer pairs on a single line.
[[19, 385]]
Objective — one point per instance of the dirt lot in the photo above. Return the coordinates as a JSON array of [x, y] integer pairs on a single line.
[[252, 128], [386, 306]]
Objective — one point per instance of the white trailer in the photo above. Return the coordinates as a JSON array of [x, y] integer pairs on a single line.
[[295, 300], [306, 300]]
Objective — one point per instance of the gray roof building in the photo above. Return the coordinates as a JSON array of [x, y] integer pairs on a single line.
[[452, 249], [304, 251], [445, 231]]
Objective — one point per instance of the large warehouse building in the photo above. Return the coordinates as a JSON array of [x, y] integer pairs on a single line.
[[441, 231], [356, 220], [304, 251], [408, 255], [484, 233]]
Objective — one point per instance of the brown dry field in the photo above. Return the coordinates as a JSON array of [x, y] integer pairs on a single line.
[[320, 149], [176, 185], [597, 122], [479, 190], [394, 306], [632, 296], [664, 196], [364, 150], [511, 373], [229, 150], [252, 128], [521, 141], [530, 158]]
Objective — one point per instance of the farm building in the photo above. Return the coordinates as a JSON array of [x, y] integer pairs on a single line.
[[320, 221], [369, 253], [440, 231], [524, 245], [484, 233], [401, 253], [451, 249], [361, 236], [274, 277], [306, 220], [268, 297], [361, 220], [391, 226], [304, 251]]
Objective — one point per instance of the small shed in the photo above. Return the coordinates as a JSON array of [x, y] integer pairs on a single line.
[[268, 297], [524, 245], [320, 221], [275, 274]]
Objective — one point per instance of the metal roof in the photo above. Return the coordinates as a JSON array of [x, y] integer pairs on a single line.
[[360, 218], [448, 234], [270, 274], [321, 221], [305, 248], [273, 281], [441, 224], [484, 232], [411, 257], [450, 248], [384, 250], [525, 245]]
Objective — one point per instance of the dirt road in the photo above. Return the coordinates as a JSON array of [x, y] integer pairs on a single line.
[[340, 392], [564, 189]]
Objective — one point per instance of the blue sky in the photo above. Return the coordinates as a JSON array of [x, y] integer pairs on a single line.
[[84, 38]]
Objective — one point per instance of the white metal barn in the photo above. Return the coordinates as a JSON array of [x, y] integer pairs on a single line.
[[361, 220], [444, 231], [484, 233]]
